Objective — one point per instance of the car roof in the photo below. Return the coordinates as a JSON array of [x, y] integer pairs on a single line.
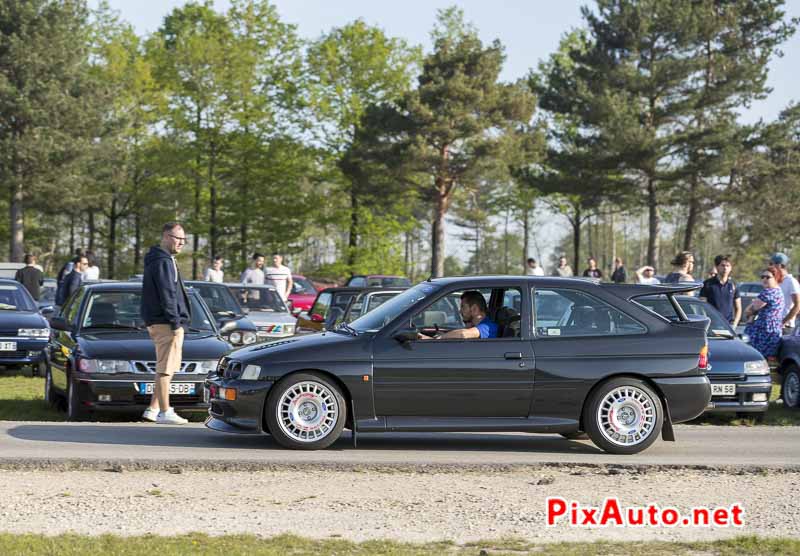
[[340, 289], [9, 281], [115, 286], [390, 289]]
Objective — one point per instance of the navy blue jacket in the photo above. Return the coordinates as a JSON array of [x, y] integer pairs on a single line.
[[68, 286], [164, 297]]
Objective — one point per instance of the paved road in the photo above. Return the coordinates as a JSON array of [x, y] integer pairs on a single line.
[[132, 442]]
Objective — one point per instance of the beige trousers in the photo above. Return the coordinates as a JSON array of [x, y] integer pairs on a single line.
[[169, 348]]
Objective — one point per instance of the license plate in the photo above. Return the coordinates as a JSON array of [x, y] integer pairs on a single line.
[[723, 389], [8, 346], [178, 388]]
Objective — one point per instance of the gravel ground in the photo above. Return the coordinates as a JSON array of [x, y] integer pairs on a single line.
[[459, 506]]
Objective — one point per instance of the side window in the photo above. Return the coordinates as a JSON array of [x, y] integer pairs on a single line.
[[563, 312], [322, 304], [73, 305], [357, 282], [444, 313]]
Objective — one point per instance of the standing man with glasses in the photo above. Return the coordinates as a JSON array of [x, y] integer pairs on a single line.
[[165, 311]]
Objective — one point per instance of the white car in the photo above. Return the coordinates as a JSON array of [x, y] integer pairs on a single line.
[[266, 309]]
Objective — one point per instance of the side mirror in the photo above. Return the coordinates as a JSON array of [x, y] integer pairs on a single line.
[[407, 335], [316, 317], [47, 312], [58, 323]]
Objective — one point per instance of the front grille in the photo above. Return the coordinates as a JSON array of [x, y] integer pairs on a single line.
[[13, 354], [174, 400], [149, 367], [716, 377]]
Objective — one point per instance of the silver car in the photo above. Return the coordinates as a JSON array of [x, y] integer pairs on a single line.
[[266, 309]]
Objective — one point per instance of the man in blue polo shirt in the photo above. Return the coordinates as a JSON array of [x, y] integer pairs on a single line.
[[473, 313], [721, 292]]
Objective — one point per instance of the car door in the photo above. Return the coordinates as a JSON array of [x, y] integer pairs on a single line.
[[453, 378], [64, 342]]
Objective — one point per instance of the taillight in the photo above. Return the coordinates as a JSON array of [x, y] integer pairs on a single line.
[[702, 361]]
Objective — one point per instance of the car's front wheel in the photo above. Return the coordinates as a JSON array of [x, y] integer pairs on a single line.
[[50, 395], [623, 416], [75, 411], [306, 412], [790, 389]]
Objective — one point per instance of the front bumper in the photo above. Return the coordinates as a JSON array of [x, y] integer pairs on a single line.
[[686, 397], [742, 400], [112, 394], [242, 415], [28, 352]]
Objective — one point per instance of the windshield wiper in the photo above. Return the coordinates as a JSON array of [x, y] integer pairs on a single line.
[[192, 329], [111, 325], [7, 307], [347, 328], [226, 313]]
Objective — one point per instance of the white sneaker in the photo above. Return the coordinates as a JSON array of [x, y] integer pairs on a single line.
[[169, 417], [150, 414]]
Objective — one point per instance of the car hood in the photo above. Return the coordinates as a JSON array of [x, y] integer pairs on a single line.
[[324, 346], [135, 346], [10, 321], [264, 317], [729, 356]]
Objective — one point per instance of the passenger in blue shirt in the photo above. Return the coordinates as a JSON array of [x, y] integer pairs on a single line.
[[473, 313]]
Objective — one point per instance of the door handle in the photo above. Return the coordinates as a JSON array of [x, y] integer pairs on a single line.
[[512, 355]]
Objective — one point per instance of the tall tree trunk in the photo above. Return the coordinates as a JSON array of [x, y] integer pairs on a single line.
[[213, 232], [17, 219], [352, 238], [92, 226], [654, 223], [694, 214], [71, 235], [137, 241], [113, 219], [437, 233], [505, 246], [198, 185], [526, 224], [576, 238]]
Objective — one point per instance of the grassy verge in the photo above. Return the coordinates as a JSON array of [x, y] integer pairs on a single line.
[[66, 545], [22, 399]]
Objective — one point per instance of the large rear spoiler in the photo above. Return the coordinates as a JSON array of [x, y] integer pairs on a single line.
[[631, 292]]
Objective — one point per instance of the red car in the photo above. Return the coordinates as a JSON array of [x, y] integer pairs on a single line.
[[303, 293]]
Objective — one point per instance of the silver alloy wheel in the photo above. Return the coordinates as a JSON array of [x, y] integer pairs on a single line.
[[792, 387], [627, 416], [307, 411]]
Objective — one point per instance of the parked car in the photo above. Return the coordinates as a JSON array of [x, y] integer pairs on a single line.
[[789, 371], [303, 294], [328, 307], [739, 375], [234, 325], [366, 301], [24, 332], [102, 358], [47, 296], [377, 281], [266, 310], [605, 365], [9, 270]]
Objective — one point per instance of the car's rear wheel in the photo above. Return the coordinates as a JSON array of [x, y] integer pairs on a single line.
[[75, 411], [790, 389], [623, 416], [306, 412]]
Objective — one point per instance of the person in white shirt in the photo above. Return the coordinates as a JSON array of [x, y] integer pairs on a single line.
[[647, 275], [790, 288], [255, 273], [215, 272], [279, 276], [532, 268], [92, 272]]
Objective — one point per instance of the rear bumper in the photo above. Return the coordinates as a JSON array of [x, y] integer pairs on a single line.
[[687, 397]]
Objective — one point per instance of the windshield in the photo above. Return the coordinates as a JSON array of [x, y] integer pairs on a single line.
[[218, 298], [660, 304], [303, 286], [121, 309], [387, 281], [391, 309], [260, 299], [15, 298]]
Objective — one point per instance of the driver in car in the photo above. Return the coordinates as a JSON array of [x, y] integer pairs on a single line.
[[473, 313]]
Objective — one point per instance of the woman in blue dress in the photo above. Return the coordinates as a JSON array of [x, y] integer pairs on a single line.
[[765, 331]]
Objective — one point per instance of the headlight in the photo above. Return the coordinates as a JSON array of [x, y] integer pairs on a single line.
[[756, 367], [249, 337], [104, 366], [250, 372], [289, 328], [34, 332], [236, 338], [206, 366]]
